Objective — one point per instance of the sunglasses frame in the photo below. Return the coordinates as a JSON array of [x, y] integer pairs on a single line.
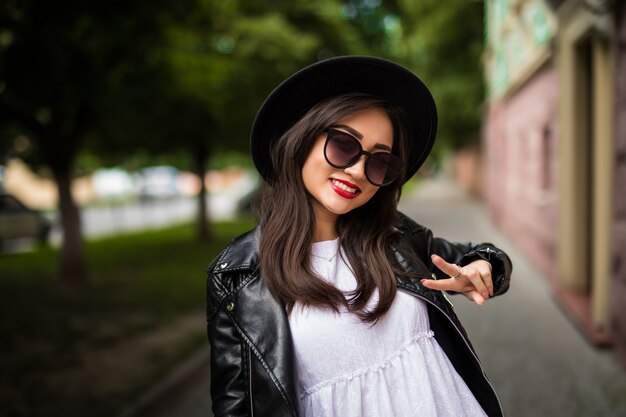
[[393, 158]]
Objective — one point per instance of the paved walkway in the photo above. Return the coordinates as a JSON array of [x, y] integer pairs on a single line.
[[538, 362]]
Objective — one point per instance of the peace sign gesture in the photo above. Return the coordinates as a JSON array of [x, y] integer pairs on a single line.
[[473, 280]]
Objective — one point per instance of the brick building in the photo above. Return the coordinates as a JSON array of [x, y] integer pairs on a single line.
[[555, 149]]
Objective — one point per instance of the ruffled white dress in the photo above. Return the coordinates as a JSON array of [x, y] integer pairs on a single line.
[[393, 368]]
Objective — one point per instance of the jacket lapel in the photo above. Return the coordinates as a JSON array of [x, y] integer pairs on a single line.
[[264, 323]]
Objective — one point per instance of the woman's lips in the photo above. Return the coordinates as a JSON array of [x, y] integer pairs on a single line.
[[344, 188]]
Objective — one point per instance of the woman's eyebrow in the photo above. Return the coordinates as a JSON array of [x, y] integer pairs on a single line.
[[382, 146], [359, 136], [350, 130]]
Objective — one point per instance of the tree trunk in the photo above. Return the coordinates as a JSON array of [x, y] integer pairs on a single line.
[[201, 159], [72, 265]]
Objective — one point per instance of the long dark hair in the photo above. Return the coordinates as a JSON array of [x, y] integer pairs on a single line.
[[287, 221]]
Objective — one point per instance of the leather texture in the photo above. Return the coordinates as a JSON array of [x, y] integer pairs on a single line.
[[252, 360]]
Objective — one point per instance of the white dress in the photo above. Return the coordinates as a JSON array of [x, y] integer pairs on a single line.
[[394, 368]]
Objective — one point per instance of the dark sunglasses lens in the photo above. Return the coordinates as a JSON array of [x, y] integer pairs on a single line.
[[341, 149], [382, 168]]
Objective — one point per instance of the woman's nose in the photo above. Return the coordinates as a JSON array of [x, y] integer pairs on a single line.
[[357, 170]]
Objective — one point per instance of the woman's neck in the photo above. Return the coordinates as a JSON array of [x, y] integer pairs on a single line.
[[325, 228], [321, 235]]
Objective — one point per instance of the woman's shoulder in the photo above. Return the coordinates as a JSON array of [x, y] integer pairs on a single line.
[[231, 267], [241, 253], [404, 223]]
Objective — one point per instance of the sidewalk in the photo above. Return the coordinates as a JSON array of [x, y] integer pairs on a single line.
[[537, 361]]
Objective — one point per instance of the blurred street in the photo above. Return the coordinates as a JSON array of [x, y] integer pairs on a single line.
[[539, 364], [151, 214], [108, 220]]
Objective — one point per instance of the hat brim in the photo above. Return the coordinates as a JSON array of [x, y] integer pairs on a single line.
[[341, 75]]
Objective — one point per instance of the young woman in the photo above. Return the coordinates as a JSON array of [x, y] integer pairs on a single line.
[[334, 304]]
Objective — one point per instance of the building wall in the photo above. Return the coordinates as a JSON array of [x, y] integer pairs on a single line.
[[520, 166], [618, 264], [555, 163]]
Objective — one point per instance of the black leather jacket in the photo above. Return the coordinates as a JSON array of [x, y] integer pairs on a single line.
[[252, 360]]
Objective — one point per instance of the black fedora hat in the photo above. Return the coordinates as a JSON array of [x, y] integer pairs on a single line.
[[341, 75]]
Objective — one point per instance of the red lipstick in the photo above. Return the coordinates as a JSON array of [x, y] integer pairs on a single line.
[[344, 193]]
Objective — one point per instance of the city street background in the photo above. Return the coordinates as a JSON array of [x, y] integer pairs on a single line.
[[125, 168]]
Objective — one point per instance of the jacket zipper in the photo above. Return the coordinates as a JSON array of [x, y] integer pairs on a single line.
[[250, 380], [421, 297]]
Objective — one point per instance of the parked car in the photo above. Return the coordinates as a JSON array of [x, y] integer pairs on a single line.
[[157, 182], [19, 221]]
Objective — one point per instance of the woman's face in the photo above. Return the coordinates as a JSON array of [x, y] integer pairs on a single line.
[[336, 191]]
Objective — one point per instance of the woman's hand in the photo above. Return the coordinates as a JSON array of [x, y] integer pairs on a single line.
[[473, 280]]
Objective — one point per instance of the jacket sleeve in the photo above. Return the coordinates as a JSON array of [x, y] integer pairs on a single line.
[[228, 391], [425, 244]]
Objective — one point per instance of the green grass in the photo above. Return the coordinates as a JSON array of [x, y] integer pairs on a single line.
[[136, 281]]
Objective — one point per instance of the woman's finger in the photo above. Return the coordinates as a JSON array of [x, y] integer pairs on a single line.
[[448, 284], [486, 277], [476, 279], [484, 268], [447, 268], [452, 284], [475, 297]]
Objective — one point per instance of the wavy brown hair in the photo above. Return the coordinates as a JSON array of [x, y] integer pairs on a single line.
[[287, 221]]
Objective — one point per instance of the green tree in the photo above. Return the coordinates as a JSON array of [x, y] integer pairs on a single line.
[[442, 42], [57, 60], [222, 64]]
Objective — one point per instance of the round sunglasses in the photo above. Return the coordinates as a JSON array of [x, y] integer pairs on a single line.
[[342, 150]]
